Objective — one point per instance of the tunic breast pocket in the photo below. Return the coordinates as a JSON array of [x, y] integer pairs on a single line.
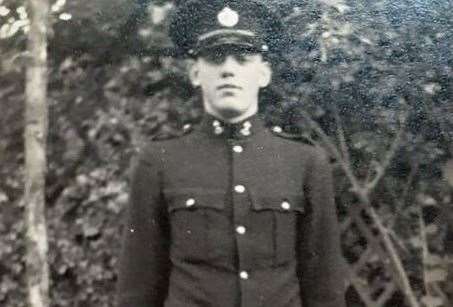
[[283, 212], [195, 217]]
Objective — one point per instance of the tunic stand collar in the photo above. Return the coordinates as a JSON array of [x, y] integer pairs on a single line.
[[241, 130]]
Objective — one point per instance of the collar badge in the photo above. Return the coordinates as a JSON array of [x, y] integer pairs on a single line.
[[218, 129], [228, 17], [245, 131]]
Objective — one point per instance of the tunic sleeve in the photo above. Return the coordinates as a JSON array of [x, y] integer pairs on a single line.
[[144, 260], [321, 265]]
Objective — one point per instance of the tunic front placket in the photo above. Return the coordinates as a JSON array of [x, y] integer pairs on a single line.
[[241, 205]]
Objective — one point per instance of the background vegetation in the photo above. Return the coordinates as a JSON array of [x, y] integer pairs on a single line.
[[374, 75]]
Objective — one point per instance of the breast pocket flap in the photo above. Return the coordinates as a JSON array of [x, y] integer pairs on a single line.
[[282, 203], [194, 199]]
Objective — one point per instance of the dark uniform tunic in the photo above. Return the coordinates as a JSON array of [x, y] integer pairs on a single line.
[[231, 216]]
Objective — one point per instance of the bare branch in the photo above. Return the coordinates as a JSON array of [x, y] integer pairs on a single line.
[[393, 255], [6, 91], [363, 195], [332, 148], [340, 134], [382, 167], [425, 250], [398, 240], [410, 180]]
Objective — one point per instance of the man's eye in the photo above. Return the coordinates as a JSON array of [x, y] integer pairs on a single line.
[[218, 58], [242, 58], [215, 58]]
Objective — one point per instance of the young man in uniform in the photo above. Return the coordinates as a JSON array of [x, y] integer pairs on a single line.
[[232, 214]]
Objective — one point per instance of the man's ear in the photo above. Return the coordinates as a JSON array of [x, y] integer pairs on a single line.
[[265, 75], [194, 74]]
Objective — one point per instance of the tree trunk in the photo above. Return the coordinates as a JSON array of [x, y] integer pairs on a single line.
[[36, 122]]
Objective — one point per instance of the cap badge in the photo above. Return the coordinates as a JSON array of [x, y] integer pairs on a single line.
[[228, 17]]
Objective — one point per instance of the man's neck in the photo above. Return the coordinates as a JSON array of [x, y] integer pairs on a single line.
[[235, 119]]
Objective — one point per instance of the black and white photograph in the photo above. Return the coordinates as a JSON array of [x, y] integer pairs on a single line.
[[226, 153]]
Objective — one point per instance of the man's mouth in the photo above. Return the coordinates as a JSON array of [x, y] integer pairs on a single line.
[[228, 86]]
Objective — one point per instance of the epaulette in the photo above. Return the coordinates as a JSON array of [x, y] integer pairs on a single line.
[[187, 129], [299, 137]]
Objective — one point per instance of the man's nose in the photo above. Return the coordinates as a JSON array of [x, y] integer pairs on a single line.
[[228, 67]]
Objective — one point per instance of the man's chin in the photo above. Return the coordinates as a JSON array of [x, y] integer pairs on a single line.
[[229, 107], [230, 113]]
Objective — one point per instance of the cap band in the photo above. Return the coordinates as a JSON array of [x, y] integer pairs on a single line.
[[225, 32], [224, 37]]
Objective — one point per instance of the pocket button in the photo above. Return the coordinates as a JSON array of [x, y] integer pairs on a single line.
[[190, 202], [285, 205]]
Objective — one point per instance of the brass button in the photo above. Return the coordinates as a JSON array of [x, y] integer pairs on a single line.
[[190, 202], [241, 230], [277, 129], [285, 205], [244, 275], [238, 148], [239, 189]]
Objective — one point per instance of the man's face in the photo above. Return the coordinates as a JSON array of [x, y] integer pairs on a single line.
[[230, 80]]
